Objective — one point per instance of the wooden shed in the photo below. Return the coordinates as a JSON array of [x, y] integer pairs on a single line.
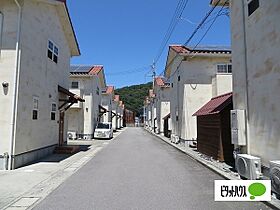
[[213, 129]]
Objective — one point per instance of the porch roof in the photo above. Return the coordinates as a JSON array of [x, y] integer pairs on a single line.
[[70, 94], [215, 105]]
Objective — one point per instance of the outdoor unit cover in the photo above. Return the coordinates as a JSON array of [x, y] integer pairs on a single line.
[[72, 135], [275, 177], [248, 166], [238, 127]]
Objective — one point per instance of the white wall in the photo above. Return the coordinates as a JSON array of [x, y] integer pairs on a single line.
[[7, 66], [194, 90], [88, 114], [261, 46]]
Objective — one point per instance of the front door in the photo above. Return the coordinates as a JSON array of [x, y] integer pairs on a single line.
[[61, 128]]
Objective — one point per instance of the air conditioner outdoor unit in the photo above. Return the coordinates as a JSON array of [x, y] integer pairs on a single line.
[[248, 166], [275, 177], [72, 135]]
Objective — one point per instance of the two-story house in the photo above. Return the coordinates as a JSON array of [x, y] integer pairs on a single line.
[[106, 102], [115, 116], [162, 102], [37, 41], [88, 82], [195, 77], [255, 37]]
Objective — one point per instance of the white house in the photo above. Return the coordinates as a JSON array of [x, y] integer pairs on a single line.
[[120, 115], [255, 40], [195, 77], [162, 102], [115, 115], [107, 98], [88, 82], [37, 41]]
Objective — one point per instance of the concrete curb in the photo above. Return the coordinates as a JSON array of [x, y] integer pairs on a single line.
[[274, 203]]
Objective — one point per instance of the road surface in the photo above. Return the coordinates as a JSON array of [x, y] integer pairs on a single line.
[[139, 171]]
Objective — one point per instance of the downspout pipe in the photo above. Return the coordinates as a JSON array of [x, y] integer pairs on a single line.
[[15, 91], [246, 79]]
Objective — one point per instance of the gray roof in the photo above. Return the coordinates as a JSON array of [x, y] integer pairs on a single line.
[[80, 68]]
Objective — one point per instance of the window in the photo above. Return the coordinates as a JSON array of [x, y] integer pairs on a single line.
[[75, 85], [1, 28], [52, 51], [53, 111], [35, 110], [253, 5], [224, 68]]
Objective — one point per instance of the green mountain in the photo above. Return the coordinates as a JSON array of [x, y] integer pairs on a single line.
[[133, 96]]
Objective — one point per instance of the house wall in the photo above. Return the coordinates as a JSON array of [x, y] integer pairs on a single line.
[[255, 44], [39, 77], [162, 106], [193, 90], [7, 66], [83, 120], [114, 119], [106, 102]]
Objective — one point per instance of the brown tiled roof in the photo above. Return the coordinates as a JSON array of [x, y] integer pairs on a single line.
[[215, 105], [109, 90], [95, 70], [207, 49], [159, 81]]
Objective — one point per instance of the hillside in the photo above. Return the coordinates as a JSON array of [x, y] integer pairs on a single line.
[[133, 96]]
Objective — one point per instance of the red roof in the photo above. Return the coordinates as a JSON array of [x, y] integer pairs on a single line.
[[109, 89], [215, 105], [207, 49], [159, 81], [95, 70]]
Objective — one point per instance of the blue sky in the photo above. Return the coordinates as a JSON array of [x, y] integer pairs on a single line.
[[125, 35]]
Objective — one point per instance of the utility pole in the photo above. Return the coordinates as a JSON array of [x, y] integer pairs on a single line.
[[153, 66]]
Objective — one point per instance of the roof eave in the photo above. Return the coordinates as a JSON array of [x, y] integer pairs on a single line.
[[220, 3]]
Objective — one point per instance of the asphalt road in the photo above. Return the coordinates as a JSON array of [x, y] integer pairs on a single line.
[[138, 171]]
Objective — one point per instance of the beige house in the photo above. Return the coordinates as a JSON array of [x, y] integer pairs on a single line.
[[115, 116], [162, 102], [195, 77], [255, 37], [88, 82], [37, 41], [107, 98]]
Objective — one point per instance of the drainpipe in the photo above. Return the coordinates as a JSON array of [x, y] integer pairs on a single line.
[[15, 92], [246, 77]]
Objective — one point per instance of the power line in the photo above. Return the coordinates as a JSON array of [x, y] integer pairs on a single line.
[[129, 71], [206, 32], [174, 21], [208, 14]]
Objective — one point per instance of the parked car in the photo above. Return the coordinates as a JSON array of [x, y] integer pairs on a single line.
[[103, 131]]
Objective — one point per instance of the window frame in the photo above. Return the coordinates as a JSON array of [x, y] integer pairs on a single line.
[[226, 70], [251, 9], [53, 111], [78, 83], [52, 52], [35, 108]]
